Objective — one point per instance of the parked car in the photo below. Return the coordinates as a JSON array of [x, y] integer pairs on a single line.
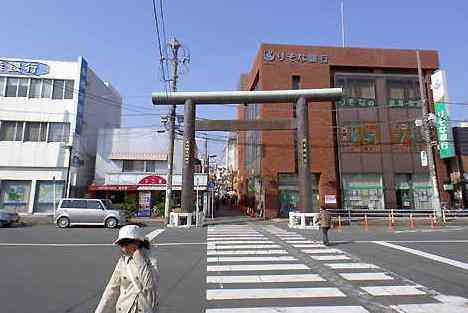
[[88, 212], [7, 218]]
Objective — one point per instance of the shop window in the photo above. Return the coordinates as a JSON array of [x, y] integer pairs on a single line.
[[12, 87], [403, 93], [404, 136], [35, 89], [15, 195], [58, 89], [45, 195], [11, 131], [363, 191], [46, 88], [58, 132], [360, 137], [35, 131], [133, 166]]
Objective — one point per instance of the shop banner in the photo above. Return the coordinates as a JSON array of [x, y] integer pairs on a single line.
[[444, 131]]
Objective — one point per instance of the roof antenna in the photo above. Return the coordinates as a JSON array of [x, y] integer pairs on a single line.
[[342, 25]]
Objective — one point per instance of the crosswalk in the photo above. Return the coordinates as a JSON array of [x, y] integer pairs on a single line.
[[267, 269]]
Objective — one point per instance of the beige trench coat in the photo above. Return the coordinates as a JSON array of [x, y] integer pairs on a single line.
[[122, 296]]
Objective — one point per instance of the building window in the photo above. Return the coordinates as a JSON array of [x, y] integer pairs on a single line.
[[35, 90], [69, 89], [2, 86], [150, 166], [12, 87], [360, 137], [46, 88], [11, 131], [15, 195], [357, 92], [58, 132], [133, 166], [44, 202], [35, 131], [58, 89], [403, 93]]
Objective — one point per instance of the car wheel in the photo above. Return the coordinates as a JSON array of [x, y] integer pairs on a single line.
[[63, 222], [111, 222]]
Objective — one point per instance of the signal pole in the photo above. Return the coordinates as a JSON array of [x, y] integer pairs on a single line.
[[174, 45], [427, 136]]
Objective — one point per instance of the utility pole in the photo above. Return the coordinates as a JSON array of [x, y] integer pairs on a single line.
[[174, 45], [206, 157], [427, 136]]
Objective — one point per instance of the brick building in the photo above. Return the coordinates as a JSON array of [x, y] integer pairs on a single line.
[[365, 149]]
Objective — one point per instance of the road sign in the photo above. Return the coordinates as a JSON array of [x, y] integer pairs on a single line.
[[211, 185]]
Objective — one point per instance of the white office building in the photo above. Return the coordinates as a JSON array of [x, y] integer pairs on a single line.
[[50, 113]]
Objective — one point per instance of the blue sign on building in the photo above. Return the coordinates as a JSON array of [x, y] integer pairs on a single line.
[[23, 68], [81, 95]]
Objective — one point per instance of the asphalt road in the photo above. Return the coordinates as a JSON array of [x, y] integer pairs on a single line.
[[45, 269]]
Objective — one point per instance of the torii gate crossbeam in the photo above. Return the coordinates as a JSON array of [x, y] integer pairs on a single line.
[[300, 96]]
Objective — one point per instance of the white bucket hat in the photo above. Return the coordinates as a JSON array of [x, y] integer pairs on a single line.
[[133, 232]]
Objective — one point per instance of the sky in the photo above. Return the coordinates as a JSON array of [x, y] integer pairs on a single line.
[[118, 39]]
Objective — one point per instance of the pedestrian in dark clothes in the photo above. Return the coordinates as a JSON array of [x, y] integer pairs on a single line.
[[325, 222]]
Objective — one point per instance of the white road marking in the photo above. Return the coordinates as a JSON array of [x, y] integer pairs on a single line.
[[255, 267], [320, 251], [429, 308], [228, 233], [317, 245], [263, 279], [304, 309], [338, 266], [240, 241], [273, 293], [237, 238], [218, 247], [302, 241], [430, 256], [249, 252], [154, 234], [251, 259], [393, 290], [366, 276], [330, 257]]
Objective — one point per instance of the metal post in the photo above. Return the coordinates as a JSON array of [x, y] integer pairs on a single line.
[[427, 136], [212, 203], [198, 208], [175, 45], [189, 154], [343, 34], [67, 183], [55, 202], [303, 155]]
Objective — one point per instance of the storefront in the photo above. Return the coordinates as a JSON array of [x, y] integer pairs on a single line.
[[147, 193], [289, 193], [363, 191]]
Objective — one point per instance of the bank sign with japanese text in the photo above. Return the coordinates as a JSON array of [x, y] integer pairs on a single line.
[[441, 110], [270, 56], [23, 68]]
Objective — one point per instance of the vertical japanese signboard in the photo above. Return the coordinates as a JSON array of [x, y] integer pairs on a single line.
[[444, 130], [81, 95]]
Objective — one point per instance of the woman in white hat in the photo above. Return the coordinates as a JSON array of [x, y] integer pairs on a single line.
[[134, 284]]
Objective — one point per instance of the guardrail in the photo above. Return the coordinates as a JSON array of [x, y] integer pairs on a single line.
[[360, 213]]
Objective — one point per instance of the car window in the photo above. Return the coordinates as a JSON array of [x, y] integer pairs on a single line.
[[66, 204], [93, 204], [108, 204], [78, 204]]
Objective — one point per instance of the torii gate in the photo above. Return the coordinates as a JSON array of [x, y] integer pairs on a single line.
[[301, 97]]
